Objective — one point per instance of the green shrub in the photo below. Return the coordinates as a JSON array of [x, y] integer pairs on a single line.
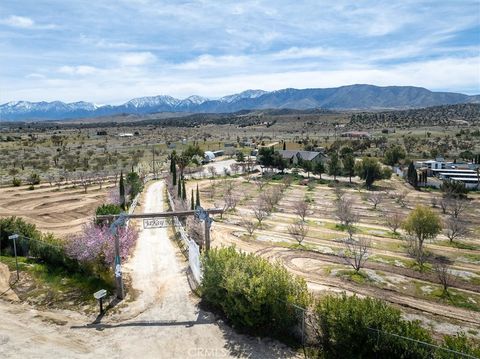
[[31, 187], [33, 179], [347, 329], [46, 247], [135, 184], [459, 343], [16, 225], [51, 251], [254, 294], [108, 208], [16, 182]]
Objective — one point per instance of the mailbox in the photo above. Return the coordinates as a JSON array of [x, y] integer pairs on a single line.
[[102, 293]]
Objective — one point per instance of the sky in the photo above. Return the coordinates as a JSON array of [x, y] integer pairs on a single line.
[[112, 51]]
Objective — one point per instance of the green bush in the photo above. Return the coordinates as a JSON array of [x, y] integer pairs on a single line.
[[254, 294], [108, 208], [347, 329], [16, 182], [16, 225], [46, 247], [51, 251], [459, 343], [135, 184]]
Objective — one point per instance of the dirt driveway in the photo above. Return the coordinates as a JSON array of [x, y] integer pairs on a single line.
[[163, 322]]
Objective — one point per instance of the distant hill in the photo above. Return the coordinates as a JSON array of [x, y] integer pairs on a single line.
[[353, 97], [447, 115]]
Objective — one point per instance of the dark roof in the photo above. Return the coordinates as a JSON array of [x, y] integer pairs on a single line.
[[304, 155]]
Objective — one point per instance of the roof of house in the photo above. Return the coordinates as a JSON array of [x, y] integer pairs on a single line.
[[304, 155]]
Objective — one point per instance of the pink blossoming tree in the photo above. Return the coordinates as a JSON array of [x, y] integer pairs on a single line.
[[96, 244]]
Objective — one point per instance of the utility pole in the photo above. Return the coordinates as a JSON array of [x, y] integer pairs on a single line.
[[208, 224], [153, 162], [120, 221]]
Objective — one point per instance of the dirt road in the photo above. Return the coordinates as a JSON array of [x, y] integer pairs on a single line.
[[163, 322]]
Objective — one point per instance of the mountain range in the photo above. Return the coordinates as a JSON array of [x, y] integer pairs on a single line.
[[352, 97]]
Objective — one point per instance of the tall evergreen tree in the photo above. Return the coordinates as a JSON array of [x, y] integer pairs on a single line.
[[412, 177], [348, 162], [174, 172], [192, 205], [334, 165], [284, 145], [184, 192], [122, 191], [197, 204], [179, 189]]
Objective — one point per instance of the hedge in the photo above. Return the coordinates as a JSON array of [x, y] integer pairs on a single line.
[[253, 294]]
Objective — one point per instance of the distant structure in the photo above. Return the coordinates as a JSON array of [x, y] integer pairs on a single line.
[[355, 134], [441, 170], [294, 157], [208, 157], [125, 135]]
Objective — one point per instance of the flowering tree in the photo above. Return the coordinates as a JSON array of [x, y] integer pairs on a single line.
[[96, 244], [113, 196]]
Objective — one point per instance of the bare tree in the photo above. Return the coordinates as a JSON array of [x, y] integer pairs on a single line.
[[260, 212], [286, 182], [444, 274], [58, 181], [301, 208], [260, 182], [457, 207], [50, 179], [84, 180], [298, 231], [344, 212], [249, 226], [401, 198], [212, 171], [235, 167], [455, 228], [270, 198], [393, 220], [444, 203], [356, 252], [339, 192], [375, 198]]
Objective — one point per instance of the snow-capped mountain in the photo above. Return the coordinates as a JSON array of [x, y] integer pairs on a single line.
[[345, 97], [242, 95]]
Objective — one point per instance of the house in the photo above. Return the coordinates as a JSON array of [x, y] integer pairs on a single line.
[[294, 157]]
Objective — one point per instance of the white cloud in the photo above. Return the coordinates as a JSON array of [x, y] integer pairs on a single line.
[[23, 22], [19, 21], [215, 62], [136, 58], [78, 70]]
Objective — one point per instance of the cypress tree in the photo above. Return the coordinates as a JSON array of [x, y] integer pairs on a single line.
[[412, 175], [284, 145], [174, 172], [197, 204], [122, 191], [184, 192], [179, 187], [192, 205]]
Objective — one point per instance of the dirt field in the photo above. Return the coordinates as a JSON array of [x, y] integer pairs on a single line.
[[390, 272], [61, 211]]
